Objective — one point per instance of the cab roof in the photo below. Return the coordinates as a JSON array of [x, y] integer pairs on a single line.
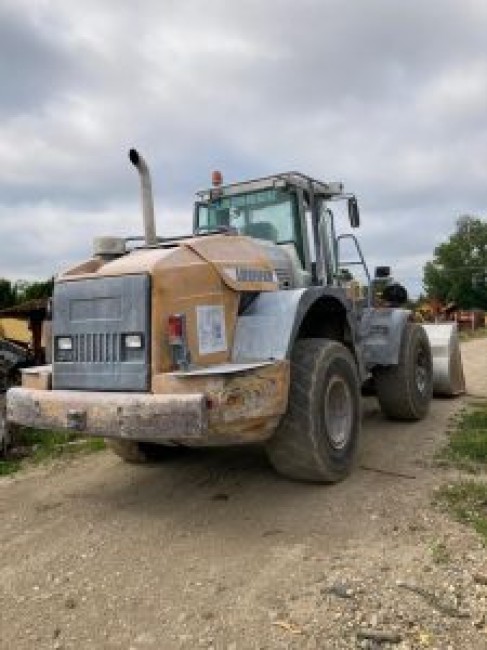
[[277, 181]]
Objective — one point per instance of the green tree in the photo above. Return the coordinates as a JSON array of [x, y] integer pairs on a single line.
[[458, 271], [7, 294], [33, 290]]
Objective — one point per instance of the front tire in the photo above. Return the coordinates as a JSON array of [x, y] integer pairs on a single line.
[[317, 438], [405, 390]]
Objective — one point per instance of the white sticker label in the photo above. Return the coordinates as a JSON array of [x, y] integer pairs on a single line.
[[210, 321]]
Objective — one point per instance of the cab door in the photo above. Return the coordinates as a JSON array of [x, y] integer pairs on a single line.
[[328, 245]]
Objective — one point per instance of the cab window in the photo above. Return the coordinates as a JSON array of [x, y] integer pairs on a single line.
[[268, 214]]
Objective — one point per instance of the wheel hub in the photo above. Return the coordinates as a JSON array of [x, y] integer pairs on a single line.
[[338, 412]]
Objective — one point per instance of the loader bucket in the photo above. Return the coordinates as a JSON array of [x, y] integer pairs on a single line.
[[448, 377]]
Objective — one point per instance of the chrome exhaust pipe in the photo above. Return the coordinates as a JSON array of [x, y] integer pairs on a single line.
[[147, 198]]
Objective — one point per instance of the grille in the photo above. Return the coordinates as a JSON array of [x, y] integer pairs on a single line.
[[97, 348], [96, 314]]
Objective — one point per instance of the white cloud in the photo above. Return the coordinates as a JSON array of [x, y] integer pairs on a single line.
[[389, 97]]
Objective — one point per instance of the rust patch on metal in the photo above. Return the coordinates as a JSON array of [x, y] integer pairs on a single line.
[[244, 406]]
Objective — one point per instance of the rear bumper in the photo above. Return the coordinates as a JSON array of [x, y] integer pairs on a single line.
[[221, 405], [127, 416]]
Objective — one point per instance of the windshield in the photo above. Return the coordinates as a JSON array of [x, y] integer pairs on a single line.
[[269, 214]]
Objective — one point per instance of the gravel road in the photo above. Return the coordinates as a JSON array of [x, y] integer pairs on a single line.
[[213, 550]]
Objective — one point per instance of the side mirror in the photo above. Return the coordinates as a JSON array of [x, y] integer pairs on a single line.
[[353, 212], [382, 272]]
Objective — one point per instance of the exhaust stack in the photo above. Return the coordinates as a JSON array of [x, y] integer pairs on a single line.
[[147, 199]]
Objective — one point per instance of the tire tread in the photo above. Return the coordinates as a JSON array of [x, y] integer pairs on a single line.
[[394, 383], [295, 449]]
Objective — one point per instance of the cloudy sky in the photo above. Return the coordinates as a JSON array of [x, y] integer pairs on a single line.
[[389, 96]]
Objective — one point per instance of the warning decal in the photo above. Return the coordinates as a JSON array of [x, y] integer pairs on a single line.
[[210, 322]]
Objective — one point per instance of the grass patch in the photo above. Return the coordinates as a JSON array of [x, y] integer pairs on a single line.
[[33, 446], [467, 443], [53, 444], [9, 466], [467, 501], [439, 552]]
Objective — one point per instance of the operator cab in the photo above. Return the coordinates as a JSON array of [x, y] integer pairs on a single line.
[[289, 210], [269, 214]]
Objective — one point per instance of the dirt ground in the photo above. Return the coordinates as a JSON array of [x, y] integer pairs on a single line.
[[213, 550]]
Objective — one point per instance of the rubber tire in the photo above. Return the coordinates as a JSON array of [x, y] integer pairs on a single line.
[[397, 391], [301, 448], [4, 376], [132, 451], [4, 437]]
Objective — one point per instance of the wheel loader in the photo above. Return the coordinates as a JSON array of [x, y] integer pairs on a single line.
[[251, 330]]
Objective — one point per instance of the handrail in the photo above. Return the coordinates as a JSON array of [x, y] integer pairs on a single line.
[[358, 263]]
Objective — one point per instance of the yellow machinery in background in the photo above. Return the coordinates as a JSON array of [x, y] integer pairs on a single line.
[[15, 329], [22, 339]]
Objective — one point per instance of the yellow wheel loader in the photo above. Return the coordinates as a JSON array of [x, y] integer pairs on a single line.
[[22, 345], [249, 331]]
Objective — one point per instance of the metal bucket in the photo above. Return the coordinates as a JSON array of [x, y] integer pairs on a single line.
[[448, 377]]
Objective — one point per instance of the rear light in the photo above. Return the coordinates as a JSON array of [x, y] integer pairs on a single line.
[[64, 343], [176, 329], [63, 348], [176, 334], [132, 341]]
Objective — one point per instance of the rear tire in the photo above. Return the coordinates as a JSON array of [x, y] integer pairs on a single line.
[[6, 428], [4, 437], [132, 451], [317, 438], [404, 391]]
